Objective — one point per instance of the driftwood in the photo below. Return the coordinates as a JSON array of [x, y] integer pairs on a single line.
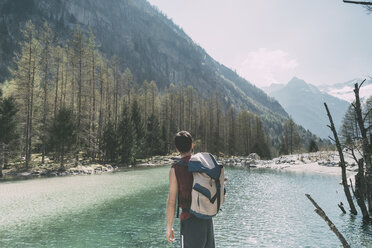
[[341, 206], [342, 163], [322, 214]]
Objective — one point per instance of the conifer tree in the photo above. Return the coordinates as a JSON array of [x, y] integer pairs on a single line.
[[126, 135], [110, 143], [26, 77], [46, 42], [8, 127], [78, 46], [153, 134], [232, 125], [63, 134], [139, 129], [313, 147]]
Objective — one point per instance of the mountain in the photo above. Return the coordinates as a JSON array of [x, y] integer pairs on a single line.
[[304, 102], [144, 40], [345, 90], [273, 87]]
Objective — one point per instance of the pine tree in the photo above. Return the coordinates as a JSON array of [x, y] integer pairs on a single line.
[[26, 77], [153, 134], [126, 135], [164, 141], [46, 42], [313, 147], [63, 134], [8, 127], [231, 139], [78, 47], [139, 129], [110, 143]]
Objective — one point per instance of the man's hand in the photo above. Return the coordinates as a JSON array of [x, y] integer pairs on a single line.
[[170, 235]]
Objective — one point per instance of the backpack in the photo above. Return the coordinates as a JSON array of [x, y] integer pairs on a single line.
[[208, 189]]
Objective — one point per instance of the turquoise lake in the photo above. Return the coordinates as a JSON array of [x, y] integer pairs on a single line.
[[264, 208]]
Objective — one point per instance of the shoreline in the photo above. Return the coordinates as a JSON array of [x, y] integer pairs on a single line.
[[42, 171], [319, 162]]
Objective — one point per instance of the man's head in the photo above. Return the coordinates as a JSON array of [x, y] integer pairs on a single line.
[[183, 142]]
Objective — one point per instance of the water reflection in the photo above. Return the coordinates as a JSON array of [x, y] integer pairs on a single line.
[[263, 208]]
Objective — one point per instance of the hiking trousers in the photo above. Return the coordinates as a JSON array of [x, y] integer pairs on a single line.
[[197, 233]]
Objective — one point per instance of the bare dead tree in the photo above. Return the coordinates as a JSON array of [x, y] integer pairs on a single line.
[[342, 163], [322, 214], [367, 153]]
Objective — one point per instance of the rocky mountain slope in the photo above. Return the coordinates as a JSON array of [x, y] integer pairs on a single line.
[[144, 40], [304, 102]]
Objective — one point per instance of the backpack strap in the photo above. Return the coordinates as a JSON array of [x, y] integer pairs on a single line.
[[218, 186], [178, 204], [179, 163]]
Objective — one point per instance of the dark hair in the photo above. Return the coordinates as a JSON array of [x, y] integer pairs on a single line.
[[183, 141]]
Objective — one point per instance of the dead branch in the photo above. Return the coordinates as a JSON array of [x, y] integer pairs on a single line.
[[358, 2], [352, 152], [365, 117], [329, 137], [341, 206], [364, 79], [322, 214]]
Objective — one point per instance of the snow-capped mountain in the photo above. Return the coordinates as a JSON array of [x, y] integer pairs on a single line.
[[345, 91]]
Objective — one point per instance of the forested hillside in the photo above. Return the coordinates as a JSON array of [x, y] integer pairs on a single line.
[[98, 60]]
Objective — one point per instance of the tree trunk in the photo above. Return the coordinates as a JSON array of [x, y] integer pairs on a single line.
[[93, 122], [62, 167], [365, 145], [56, 93], [2, 160], [31, 112], [360, 189], [342, 164], [45, 88]]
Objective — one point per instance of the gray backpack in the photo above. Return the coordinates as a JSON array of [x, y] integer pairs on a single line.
[[208, 192]]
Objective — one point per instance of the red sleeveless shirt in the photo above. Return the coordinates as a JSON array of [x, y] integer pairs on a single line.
[[184, 183]]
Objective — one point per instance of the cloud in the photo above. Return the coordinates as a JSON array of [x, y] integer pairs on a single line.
[[263, 67]]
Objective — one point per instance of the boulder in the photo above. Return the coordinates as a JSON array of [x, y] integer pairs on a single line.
[[254, 156]]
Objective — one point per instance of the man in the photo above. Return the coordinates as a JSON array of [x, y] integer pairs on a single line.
[[195, 232]]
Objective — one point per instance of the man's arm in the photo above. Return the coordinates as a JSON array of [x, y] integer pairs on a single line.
[[171, 204]]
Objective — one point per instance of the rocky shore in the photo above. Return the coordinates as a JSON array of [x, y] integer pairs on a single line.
[[78, 170], [326, 162], [51, 169]]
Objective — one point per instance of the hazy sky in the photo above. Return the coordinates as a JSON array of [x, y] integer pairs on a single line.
[[320, 41]]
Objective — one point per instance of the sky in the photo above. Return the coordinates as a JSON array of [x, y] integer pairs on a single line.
[[271, 41]]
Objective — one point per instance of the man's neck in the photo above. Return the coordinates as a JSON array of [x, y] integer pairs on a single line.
[[186, 154]]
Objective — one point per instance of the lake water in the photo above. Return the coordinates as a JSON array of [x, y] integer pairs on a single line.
[[264, 208]]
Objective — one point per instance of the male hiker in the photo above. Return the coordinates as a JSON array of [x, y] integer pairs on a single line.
[[195, 231]]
